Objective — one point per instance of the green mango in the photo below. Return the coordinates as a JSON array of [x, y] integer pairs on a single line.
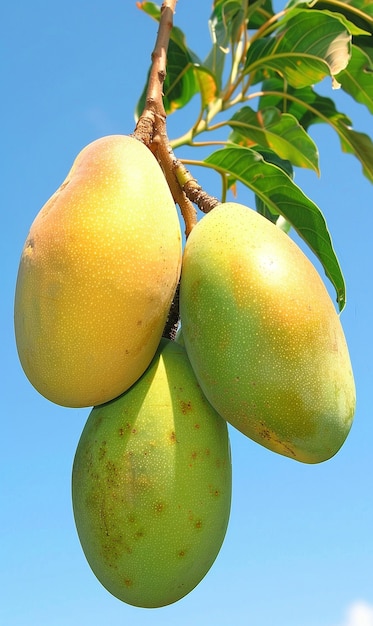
[[151, 485], [263, 335]]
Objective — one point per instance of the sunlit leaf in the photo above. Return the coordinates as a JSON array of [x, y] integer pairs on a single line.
[[220, 35], [180, 84], [358, 144], [308, 47], [305, 104], [150, 8], [225, 21], [309, 108], [357, 78], [207, 85], [283, 196], [260, 205], [352, 28], [298, 68], [359, 12], [215, 62], [281, 132]]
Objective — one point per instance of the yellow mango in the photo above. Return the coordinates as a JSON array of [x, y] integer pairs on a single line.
[[97, 275], [263, 335], [151, 485]]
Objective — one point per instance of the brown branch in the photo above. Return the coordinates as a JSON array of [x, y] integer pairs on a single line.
[[193, 189], [151, 130], [168, 162], [151, 126], [154, 114]]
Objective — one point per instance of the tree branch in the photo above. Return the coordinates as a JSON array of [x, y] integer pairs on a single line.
[[193, 190], [154, 115], [152, 131], [151, 126]]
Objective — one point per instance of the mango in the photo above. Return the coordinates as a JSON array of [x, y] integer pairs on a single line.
[[151, 485], [97, 275], [263, 335]]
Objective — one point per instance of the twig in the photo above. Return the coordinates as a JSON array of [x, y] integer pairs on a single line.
[[193, 190], [169, 165], [151, 126], [151, 130], [154, 116]]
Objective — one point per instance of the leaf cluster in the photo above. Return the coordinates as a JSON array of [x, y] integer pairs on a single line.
[[259, 77]]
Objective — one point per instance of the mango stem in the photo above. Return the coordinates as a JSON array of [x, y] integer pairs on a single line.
[[151, 129]]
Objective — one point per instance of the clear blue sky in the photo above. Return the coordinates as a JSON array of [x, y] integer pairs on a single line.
[[299, 548]]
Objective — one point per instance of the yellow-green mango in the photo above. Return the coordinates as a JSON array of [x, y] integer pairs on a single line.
[[151, 485], [263, 335], [97, 275]]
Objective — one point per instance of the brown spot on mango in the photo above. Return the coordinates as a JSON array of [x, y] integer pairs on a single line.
[[185, 406], [139, 515]]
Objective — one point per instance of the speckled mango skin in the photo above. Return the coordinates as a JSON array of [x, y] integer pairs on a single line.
[[151, 485], [97, 275], [263, 335]]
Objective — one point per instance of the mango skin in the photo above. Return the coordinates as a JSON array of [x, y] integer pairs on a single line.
[[97, 275], [263, 335], [151, 485]]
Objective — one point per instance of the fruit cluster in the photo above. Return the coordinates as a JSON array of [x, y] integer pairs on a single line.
[[260, 347]]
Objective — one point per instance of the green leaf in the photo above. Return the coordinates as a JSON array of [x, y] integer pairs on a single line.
[[308, 46], [359, 12], [180, 84], [297, 68], [261, 207], [271, 157], [223, 23], [305, 104], [207, 85], [259, 12], [215, 62], [281, 132], [309, 107], [283, 196], [358, 144], [150, 8], [357, 78], [183, 78], [365, 43], [226, 20]]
